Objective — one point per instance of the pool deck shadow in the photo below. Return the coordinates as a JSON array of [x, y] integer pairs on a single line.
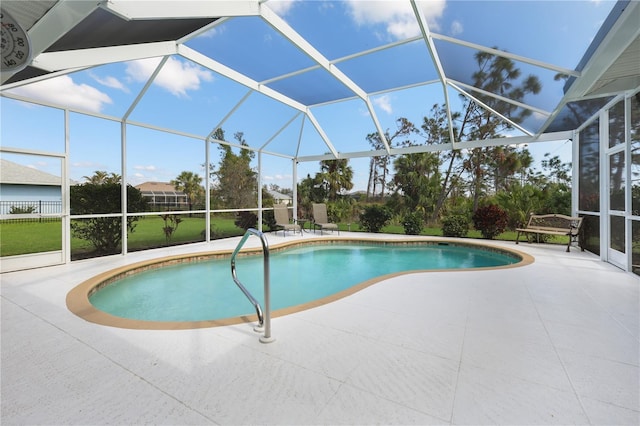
[[552, 342]]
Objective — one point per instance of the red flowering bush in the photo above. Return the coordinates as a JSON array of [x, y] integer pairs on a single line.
[[490, 220]]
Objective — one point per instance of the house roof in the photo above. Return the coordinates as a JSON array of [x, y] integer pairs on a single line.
[[159, 188], [300, 62], [16, 174], [278, 195]]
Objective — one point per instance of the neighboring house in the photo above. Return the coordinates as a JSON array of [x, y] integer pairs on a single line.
[[29, 190], [163, 194], [279, 198]]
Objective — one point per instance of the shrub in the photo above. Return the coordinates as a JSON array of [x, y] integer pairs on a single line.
[[342, 210], [374, 217], [269, 219], [490, 220], [171, 222], [412, 223], [22, 210], [246, 220], [519, 202], [455, 225], [104, 233]]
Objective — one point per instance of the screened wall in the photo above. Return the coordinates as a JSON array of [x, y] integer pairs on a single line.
[[141, 90], [608, 182]]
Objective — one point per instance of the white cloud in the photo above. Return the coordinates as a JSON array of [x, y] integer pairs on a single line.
[[147, 168], [112, 82], [88, 164], [177, 77], [384, 103], [325, 5], [397, 16], [214, 31], [539, 116], [280, 178], [456, 28], [281, 7], [63, 90], [141, 69]]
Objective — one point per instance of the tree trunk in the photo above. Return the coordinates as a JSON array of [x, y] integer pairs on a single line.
[[445, 190], [371, 166]]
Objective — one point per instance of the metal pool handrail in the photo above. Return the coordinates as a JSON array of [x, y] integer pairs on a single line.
[[264, 321]]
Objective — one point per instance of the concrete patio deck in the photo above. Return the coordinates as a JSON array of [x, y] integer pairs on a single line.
[[554, 342]]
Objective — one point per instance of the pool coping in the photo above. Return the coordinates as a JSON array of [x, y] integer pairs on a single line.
[[78, 303]]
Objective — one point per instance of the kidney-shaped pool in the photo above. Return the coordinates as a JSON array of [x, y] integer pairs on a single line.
[[188, 292]]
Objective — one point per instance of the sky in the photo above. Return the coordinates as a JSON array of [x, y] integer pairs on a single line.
[[193, 100]]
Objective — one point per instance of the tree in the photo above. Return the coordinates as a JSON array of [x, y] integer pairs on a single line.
[[310, 190], [526, 161], [104, 233], [277, 188], [236, 185], [557, 171], [379, 166], [100, 177], [417, 177], [190, 184], [436, 131], [336, 176], [504, 163], [519, 202], [499, 75], [555, 181]]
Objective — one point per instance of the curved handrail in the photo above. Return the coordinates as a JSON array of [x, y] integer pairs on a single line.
[[263, 320]]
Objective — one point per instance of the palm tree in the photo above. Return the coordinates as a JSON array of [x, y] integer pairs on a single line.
[[495, 74], [418, 179], [101, 177], [189, 183], [337, 175]]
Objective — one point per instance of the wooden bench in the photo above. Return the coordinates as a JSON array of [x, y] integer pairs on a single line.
[[553, 224]]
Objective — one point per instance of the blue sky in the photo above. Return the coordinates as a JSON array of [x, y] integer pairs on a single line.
[[193, 100]]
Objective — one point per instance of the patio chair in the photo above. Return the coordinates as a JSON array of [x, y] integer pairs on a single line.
[[320, 219], [281, 214]]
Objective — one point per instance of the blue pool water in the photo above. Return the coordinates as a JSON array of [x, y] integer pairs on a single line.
[[205, 290]]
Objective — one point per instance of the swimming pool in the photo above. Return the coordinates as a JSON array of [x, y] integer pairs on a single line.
[[202, 291]]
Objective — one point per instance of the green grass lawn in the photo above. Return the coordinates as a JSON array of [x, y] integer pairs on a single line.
[[35, 237], [32, 237], [149, 232]]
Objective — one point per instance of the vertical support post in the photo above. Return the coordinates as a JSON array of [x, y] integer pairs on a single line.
[[207, 192], [628, 211], [66, 194], [575, 175], [123, 185], [295, 189], [603, 137]]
